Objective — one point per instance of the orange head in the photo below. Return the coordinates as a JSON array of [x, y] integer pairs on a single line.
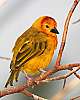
[[47, 25]]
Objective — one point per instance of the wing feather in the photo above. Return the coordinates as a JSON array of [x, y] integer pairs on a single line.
[[36, 50], [27, 48]]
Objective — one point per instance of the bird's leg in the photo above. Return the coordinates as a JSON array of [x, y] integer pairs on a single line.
[[29, 79], [26, 75], [41, 71]]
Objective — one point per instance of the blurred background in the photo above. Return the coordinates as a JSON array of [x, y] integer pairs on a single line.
[[16, 16]]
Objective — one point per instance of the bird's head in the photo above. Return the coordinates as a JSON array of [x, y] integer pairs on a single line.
[[47, 25]]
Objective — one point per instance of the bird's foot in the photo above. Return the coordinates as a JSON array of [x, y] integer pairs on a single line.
[[42, 71], [28, 78]]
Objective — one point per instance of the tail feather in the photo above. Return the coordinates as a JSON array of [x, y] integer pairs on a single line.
[[10, 79], [13, 76], [17, 75]]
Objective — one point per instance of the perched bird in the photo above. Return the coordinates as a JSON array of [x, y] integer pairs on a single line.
[[34, 49]]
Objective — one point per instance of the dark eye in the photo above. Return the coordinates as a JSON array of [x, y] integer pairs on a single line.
[[47, 26]]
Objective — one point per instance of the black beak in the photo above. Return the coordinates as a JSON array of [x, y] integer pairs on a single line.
[[54, 30]]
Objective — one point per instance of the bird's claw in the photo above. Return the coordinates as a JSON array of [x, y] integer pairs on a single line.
[[41, 71]]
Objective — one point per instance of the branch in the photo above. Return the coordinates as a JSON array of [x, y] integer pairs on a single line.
[[12, 90], [5, 58], [75, 98], [65, 32], [18, 89], [60, 77], [35, 97], [76, 21], [43, 76]]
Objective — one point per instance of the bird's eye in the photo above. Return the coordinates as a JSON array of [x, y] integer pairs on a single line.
[[47, 26]]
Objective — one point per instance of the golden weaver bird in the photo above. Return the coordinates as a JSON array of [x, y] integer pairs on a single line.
[[34, 49]]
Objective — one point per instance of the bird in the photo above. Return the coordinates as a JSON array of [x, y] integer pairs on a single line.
[[34, 49]]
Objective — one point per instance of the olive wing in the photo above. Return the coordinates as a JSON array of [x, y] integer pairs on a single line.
[[34, 46]]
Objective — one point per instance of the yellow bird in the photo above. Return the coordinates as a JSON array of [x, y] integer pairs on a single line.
[[34, 49]]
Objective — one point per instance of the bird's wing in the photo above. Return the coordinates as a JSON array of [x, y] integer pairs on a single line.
[[34, 46]]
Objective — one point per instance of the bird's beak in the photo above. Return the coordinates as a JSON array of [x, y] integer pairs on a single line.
[[54, 30]]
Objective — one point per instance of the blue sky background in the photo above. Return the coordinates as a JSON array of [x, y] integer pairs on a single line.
[[16, 16]]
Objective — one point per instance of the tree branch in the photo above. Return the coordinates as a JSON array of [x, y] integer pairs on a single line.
[[58, 67], [5, 58], [18, 89], [60, 77], [35, 97], [65, 32], [75, 98]]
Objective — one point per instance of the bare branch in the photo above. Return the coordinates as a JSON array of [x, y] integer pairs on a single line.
[[35, 97], [75, 98], [18, 89], [43, 76], [62, 76], [5, 58], [12, 90], [76, 21], [65, 32]]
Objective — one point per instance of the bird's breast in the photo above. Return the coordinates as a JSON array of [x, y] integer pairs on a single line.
[[43, 60]]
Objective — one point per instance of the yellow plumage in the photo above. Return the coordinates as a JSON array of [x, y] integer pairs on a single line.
[[34, 49], [42, 61]]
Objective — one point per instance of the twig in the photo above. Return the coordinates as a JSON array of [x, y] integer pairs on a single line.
[[77, 75], [35, 97], [65, 32], [76, 21], [5, 58], [75, 98], [27, 93], [68, 66], [62, 76], [18, 89], [12, 90]]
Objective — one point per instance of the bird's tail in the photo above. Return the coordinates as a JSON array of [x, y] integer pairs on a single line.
[[10, 79]]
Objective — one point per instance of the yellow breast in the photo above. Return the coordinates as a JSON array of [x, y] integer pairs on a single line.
[[40, 62]]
